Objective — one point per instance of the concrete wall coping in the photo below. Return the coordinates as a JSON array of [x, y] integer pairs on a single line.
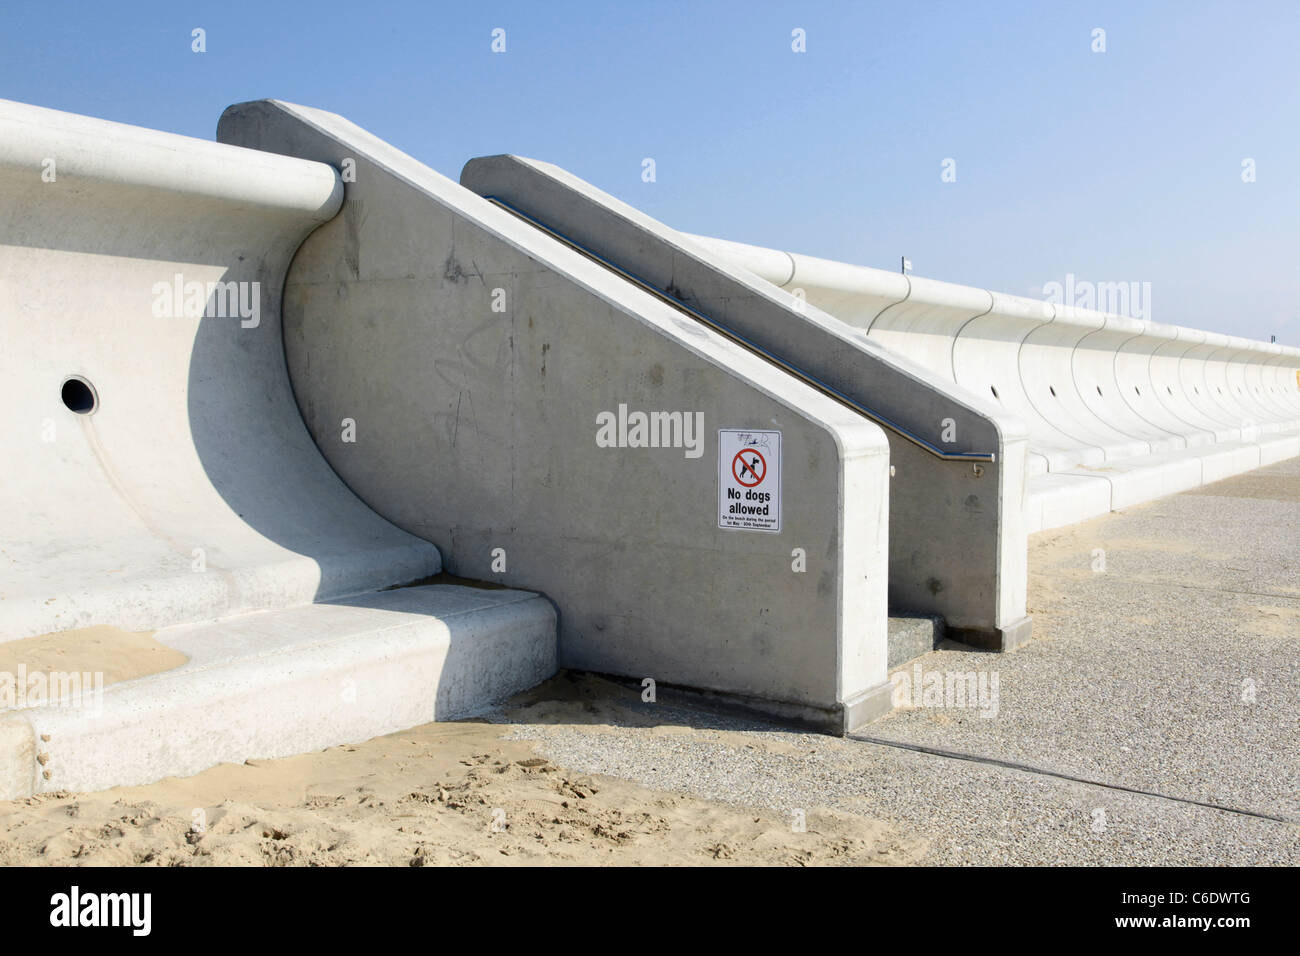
[[791, 269], [100, 155]]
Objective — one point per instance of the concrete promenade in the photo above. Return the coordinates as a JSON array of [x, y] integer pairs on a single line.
[[1152, 720]]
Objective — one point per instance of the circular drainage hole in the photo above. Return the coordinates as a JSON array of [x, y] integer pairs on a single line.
[[79, 395]]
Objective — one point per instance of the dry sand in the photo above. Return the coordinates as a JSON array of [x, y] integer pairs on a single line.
[[441, 794], [116, 654]]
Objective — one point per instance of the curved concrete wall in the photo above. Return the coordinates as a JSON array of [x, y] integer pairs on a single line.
[[1118, 410], [193, 490], [476, 354]]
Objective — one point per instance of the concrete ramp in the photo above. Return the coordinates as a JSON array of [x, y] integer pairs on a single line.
[[1118, 410], [549, 424], [958, 460]]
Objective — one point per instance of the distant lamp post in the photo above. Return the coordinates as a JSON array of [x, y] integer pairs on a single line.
[[904, 264]]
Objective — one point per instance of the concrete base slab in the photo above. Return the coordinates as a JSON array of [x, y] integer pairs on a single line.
[[858, 710], [275, 683], [1231, 460], [866, 707], [1280, 449], [1004, 639], [1067, 497], [913, 635], [1055, 499]]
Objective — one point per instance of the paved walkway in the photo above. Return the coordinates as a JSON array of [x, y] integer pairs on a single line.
[[1153, 720]]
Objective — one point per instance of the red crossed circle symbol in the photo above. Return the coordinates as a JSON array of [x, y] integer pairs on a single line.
[[742, 469]]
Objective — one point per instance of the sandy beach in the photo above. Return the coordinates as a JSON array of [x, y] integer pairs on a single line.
[[458, 793]]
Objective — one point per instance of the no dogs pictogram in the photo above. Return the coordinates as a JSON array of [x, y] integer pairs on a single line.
[[749, 479], [749, 467]]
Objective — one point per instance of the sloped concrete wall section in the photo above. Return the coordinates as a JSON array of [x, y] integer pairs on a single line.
[[1119, 410], [958, 460], [477, 358]]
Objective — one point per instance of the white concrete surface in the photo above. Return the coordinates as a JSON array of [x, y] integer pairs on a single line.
[[444, 363], [477, 430], [1119, 410], [193, 491], [192, 497], [281, 682], [958, 459]]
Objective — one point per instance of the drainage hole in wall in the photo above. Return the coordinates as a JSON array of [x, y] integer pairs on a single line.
[[79, 395], [1052, 389], [994, 391], [1136, 389], [1098, 389]]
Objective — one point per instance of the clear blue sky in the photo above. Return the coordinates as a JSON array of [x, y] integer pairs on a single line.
[[1115, 166]]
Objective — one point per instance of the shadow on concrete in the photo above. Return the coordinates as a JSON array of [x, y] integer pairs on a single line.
[[256, 451]]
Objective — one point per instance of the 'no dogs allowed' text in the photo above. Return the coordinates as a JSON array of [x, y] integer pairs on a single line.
[[749, 480]]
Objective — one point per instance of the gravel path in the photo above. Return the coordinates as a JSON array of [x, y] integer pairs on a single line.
[[1170, 669]]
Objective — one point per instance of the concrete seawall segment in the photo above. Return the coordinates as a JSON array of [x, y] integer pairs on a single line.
[[262, 397], [1118, 410], [479, 357]]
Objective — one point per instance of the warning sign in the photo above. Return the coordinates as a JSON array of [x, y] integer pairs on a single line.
[[749, 480]]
